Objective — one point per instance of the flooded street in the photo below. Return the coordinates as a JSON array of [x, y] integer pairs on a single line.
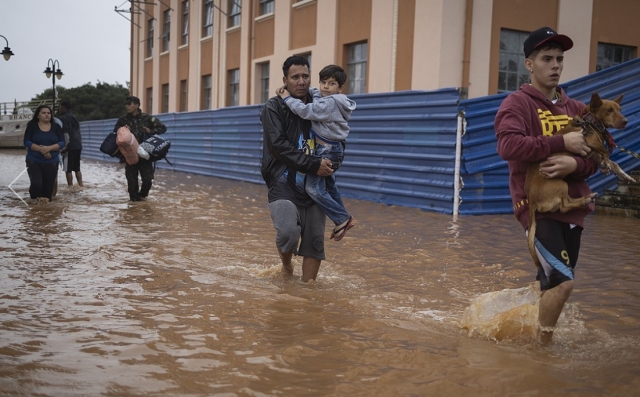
[[182, 295]]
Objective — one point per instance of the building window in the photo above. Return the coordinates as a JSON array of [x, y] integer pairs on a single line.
[[306, 56], [266, 7], [165, 98], [613, 54], [234, 83], [206, 92], [512, 73], [150, 38], [207, 21], [183, 95], [264, 82], [234, 13], [149, 100], [167, 29], [185, 22], [357, 65]]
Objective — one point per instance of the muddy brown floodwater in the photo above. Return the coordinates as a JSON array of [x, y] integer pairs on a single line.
[[181, 295]]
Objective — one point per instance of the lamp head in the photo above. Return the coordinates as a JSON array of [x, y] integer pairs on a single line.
[[59, 74], [48, 72], [6, 53]]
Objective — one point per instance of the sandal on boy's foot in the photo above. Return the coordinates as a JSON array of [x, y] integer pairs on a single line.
[[333, 233], [338, 234]]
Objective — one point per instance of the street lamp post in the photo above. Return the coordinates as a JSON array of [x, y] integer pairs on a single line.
[[6, 53], [53, 71]]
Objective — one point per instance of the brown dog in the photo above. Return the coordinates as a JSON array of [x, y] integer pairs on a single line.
[[548, 195]]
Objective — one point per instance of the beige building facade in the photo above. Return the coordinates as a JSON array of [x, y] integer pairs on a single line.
[[189, 55]]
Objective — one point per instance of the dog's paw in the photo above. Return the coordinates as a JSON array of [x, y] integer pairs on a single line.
[[605, 168]]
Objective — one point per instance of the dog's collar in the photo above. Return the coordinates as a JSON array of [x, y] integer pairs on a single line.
[[591, 123]]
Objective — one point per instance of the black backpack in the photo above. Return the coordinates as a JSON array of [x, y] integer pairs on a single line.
[[109, 146], [157, 148]]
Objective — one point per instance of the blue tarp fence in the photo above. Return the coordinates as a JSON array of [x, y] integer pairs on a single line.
[[402, 146]]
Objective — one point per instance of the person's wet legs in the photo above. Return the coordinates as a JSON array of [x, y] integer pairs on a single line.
[[131, 173], [310, 268], [551, 304], [287, 267], [49, 180], [69, 176], [35, 179], [146, 174]]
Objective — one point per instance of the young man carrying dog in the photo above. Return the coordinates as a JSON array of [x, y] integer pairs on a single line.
[[524, 126]]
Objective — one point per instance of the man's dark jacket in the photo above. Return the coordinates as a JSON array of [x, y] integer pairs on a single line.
[[71, 127], [281, 130], [136, 123]]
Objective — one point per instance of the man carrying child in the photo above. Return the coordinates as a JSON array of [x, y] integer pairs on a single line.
[[329, 114]]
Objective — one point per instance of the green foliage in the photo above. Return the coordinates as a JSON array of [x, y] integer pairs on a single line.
[[100, 102]]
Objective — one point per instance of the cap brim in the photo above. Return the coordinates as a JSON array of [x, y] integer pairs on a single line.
[[563, 40]]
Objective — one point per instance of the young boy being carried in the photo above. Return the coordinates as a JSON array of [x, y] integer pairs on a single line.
[[329, 113]]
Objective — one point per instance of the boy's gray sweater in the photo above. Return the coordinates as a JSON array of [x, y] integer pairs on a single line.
[[328, 115]]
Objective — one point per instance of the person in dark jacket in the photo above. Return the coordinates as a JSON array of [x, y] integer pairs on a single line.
[[71, 152], [286, 158], [43, 140], [141, 126], [329, 114]]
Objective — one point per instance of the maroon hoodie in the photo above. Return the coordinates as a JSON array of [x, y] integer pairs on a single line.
[[525, 124]]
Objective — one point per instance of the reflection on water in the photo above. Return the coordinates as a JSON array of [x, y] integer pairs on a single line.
[[181, 295]]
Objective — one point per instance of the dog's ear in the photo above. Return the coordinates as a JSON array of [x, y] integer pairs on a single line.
[[596, 102], [618, 99]]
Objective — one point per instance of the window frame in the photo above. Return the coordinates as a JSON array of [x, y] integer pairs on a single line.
[[625, 52], [149, 100], [184, 31], [511, 70], [234, 87], [184, 98], [207, 18], [150, 33], [206, 92], [234, 13], [266, 7], [264, 81], [308, 56], [166, 27], [165, 98], [357, 64]]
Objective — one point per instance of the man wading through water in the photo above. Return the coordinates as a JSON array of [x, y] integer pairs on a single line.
[[286, 158], [141, 126]]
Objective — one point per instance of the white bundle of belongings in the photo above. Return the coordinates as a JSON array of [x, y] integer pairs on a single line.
[[143, 153]]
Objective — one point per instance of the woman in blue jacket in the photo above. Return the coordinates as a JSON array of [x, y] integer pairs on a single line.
[[43, 140]]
